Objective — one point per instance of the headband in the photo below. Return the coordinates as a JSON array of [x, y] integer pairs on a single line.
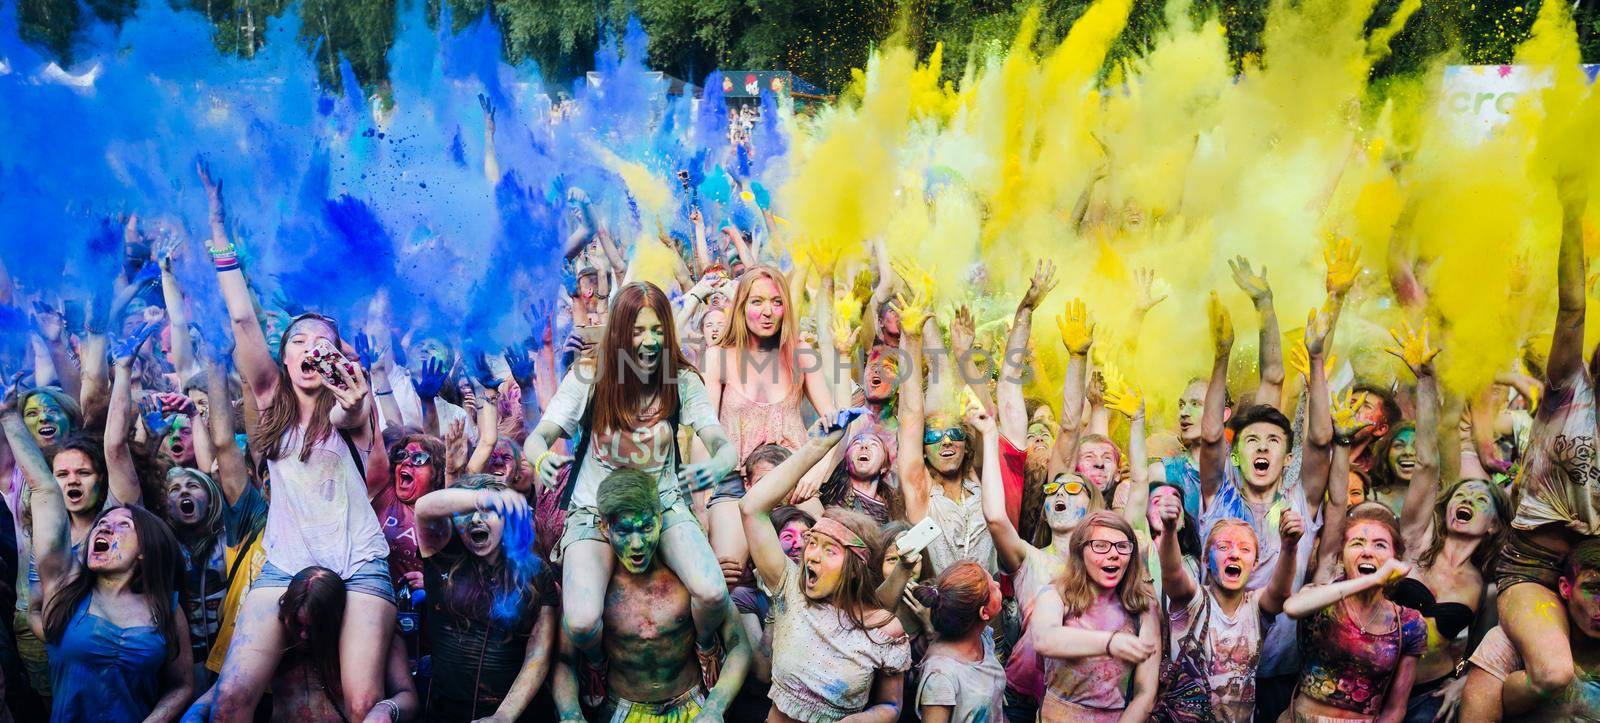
[[835, 530]]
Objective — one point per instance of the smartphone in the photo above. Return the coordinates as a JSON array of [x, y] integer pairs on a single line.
[[324, 359], [917, 538]]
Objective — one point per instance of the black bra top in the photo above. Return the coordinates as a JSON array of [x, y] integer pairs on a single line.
[[1450, 618]]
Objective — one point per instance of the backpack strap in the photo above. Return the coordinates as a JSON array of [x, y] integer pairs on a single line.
[[579, 452], [355, 454]]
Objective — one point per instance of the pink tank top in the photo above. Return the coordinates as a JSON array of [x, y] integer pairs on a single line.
[[750, 423]]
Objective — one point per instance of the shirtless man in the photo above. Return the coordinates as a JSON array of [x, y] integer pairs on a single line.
[[649, 640]]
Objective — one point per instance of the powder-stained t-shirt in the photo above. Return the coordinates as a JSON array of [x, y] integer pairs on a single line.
[[1351, 669], [975, 691], [1560, 475], [805, 633], [1231, 647]]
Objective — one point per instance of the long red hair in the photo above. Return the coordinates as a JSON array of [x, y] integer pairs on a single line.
[[620, 391]]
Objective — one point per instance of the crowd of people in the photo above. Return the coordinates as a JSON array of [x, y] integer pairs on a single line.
[[732, 499]]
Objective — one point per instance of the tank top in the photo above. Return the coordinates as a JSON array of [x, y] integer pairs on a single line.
[[103, 672], [750, 424], [319, 513]]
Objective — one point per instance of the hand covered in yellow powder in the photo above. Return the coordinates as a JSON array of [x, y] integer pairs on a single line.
[[1145, 295], [1346, 423], [1341, 259], [1077, 332], [1414, 348], [1125, 399]]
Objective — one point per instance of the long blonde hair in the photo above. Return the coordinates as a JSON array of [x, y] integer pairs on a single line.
[[737, 335], [1078, 591]]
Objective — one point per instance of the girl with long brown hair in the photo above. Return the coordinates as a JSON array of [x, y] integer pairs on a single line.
[[629, 404], [314, 432], [760, 370], [835, 651], [1097, 629], [118, 646]]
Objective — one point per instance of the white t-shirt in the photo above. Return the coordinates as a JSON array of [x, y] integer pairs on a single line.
[[647, 448], [319, 513], [1232, 648]]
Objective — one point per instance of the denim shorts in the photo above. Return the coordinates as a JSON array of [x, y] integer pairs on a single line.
[[583, 523], [371, 578]]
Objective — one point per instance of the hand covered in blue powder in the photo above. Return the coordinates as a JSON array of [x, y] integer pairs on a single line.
[[430, 378]]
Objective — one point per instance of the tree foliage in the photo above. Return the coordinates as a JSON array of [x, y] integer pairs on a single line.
[[819, 40]]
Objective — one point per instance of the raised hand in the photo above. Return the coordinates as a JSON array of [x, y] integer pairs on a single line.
[[520, 363], [1413, 348], [49, 321], [367, 350], [1347, 423], [1299, 359], [10, 388], [1253, 284], [430, 378], [1125, 399], [1044, 279], [488, 112], [1291, 527], [980, 420], [166, 248], [482, 371], [455, 447], [962, 329], [1146, 296], [1077, 332], [128, 347], [913, 309], [1317, 331], [348, 383], [1221, 326], [1340, 257], [154, 418]]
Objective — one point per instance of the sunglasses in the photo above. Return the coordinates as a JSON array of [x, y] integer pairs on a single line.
[[1101, 547], [418, 458], [935, 436], [1072, 486]]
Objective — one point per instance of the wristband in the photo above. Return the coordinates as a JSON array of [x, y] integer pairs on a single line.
[[384, 394], [1344, 440], [1110, 640], [229, 250], [538, 462], [229, 265]]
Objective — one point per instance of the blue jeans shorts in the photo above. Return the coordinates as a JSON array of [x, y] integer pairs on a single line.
[[372, 578]]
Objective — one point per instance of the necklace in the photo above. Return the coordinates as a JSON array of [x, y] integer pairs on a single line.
[[1359, 624]]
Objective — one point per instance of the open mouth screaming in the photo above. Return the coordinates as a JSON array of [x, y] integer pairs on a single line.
[[187, 506], [1366, 568], [1261, 464], [100, 545], [1463, 514], [73, 494]]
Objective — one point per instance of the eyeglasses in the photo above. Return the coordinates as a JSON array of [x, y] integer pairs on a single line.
[[418, 458], [1101, 547], [1072, 486], [935, 436]]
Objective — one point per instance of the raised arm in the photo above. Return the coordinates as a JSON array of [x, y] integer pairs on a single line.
[[51, 548], [1346, 425], [177, 313], [963, 329], [1177, 584], [914, 482], [1290, 529], [250, 353], [1316, 454], [1270, 347], [1077, 334], [1129, 402], [122, 479], [435, 509], [1008, 544], [1566, 343], [1012, 407], [1213, 451], [766, 550], [233, 472], [1416, 515]]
